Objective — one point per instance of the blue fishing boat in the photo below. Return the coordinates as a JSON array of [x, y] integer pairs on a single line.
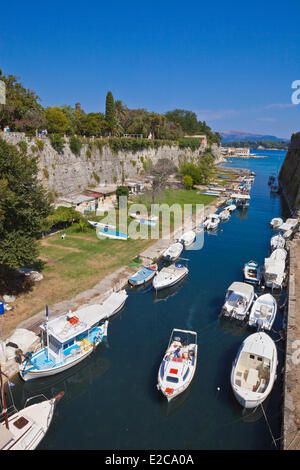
[[68, 339], [143, 275]]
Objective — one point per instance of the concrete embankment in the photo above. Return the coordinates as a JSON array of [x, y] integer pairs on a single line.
[[291, 385]]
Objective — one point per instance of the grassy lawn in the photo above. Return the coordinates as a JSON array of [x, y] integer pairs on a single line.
[[78, 262]]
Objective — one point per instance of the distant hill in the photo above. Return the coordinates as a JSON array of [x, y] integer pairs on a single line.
[[231, 136]]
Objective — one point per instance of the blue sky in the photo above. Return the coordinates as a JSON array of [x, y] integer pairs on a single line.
[[232, 63]]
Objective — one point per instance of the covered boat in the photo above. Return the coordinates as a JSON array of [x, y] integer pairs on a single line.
[[238, 300], [211, 222], [263, 312], [252, 273], [178, 366], [187, 238], [274, 272], [173, 252], [145, 274], [254, 370], [170, 275], [277, 241]]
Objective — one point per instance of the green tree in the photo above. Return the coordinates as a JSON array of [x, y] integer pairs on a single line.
[[187, 181], [110, 111], [22, 111], [56, 120], [23, 207]]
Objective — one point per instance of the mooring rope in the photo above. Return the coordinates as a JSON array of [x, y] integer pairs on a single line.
[[274, 442]]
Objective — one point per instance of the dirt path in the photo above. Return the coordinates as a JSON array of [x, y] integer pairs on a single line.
[[68, 248]]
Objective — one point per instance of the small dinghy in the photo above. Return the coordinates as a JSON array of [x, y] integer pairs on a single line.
[[173, 252], [263, 312], [238, 300], [211, 222], [169, 276], [145, 274], [113, 234], [144, 219], [254, 370], [100, 224], [224, 215], [277, 242], [252, 273], [178, 366], [187, 238], [276, 222]]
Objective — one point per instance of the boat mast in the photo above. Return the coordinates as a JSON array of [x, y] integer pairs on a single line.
[[3, 398]]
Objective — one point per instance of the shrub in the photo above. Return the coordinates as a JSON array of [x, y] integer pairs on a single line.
[[57, 142], [75, 145]]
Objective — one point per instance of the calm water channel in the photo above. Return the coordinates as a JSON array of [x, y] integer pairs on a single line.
[[111, 400]]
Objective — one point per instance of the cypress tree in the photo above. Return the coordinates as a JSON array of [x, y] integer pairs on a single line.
[[110, 111]]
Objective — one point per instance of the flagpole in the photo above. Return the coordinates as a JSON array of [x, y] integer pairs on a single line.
[[47, 317]]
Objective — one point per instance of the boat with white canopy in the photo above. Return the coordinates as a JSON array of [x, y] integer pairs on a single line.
[[241, 200], [178, 366], [70, 338], [173, 252], [238, 300], [274, 272], [277, 241], [263, 312], [169, 275], [254, 370]]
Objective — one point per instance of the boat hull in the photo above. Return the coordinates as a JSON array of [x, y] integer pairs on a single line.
[[172, 283]]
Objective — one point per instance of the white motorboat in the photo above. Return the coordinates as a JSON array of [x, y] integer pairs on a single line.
[[187, 238], [178, 366], [263, 312], [143, 275], [241, 200], [25, 429], [173, 252], [211, 222], [70, 338], [276, 222], [238, 300], [252, 273], [224, 215], [231, 207], [170, 275], [277, 241], [254, 370]]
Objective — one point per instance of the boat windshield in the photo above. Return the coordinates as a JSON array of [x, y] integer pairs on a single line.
[[172, 379], [235, 300]]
